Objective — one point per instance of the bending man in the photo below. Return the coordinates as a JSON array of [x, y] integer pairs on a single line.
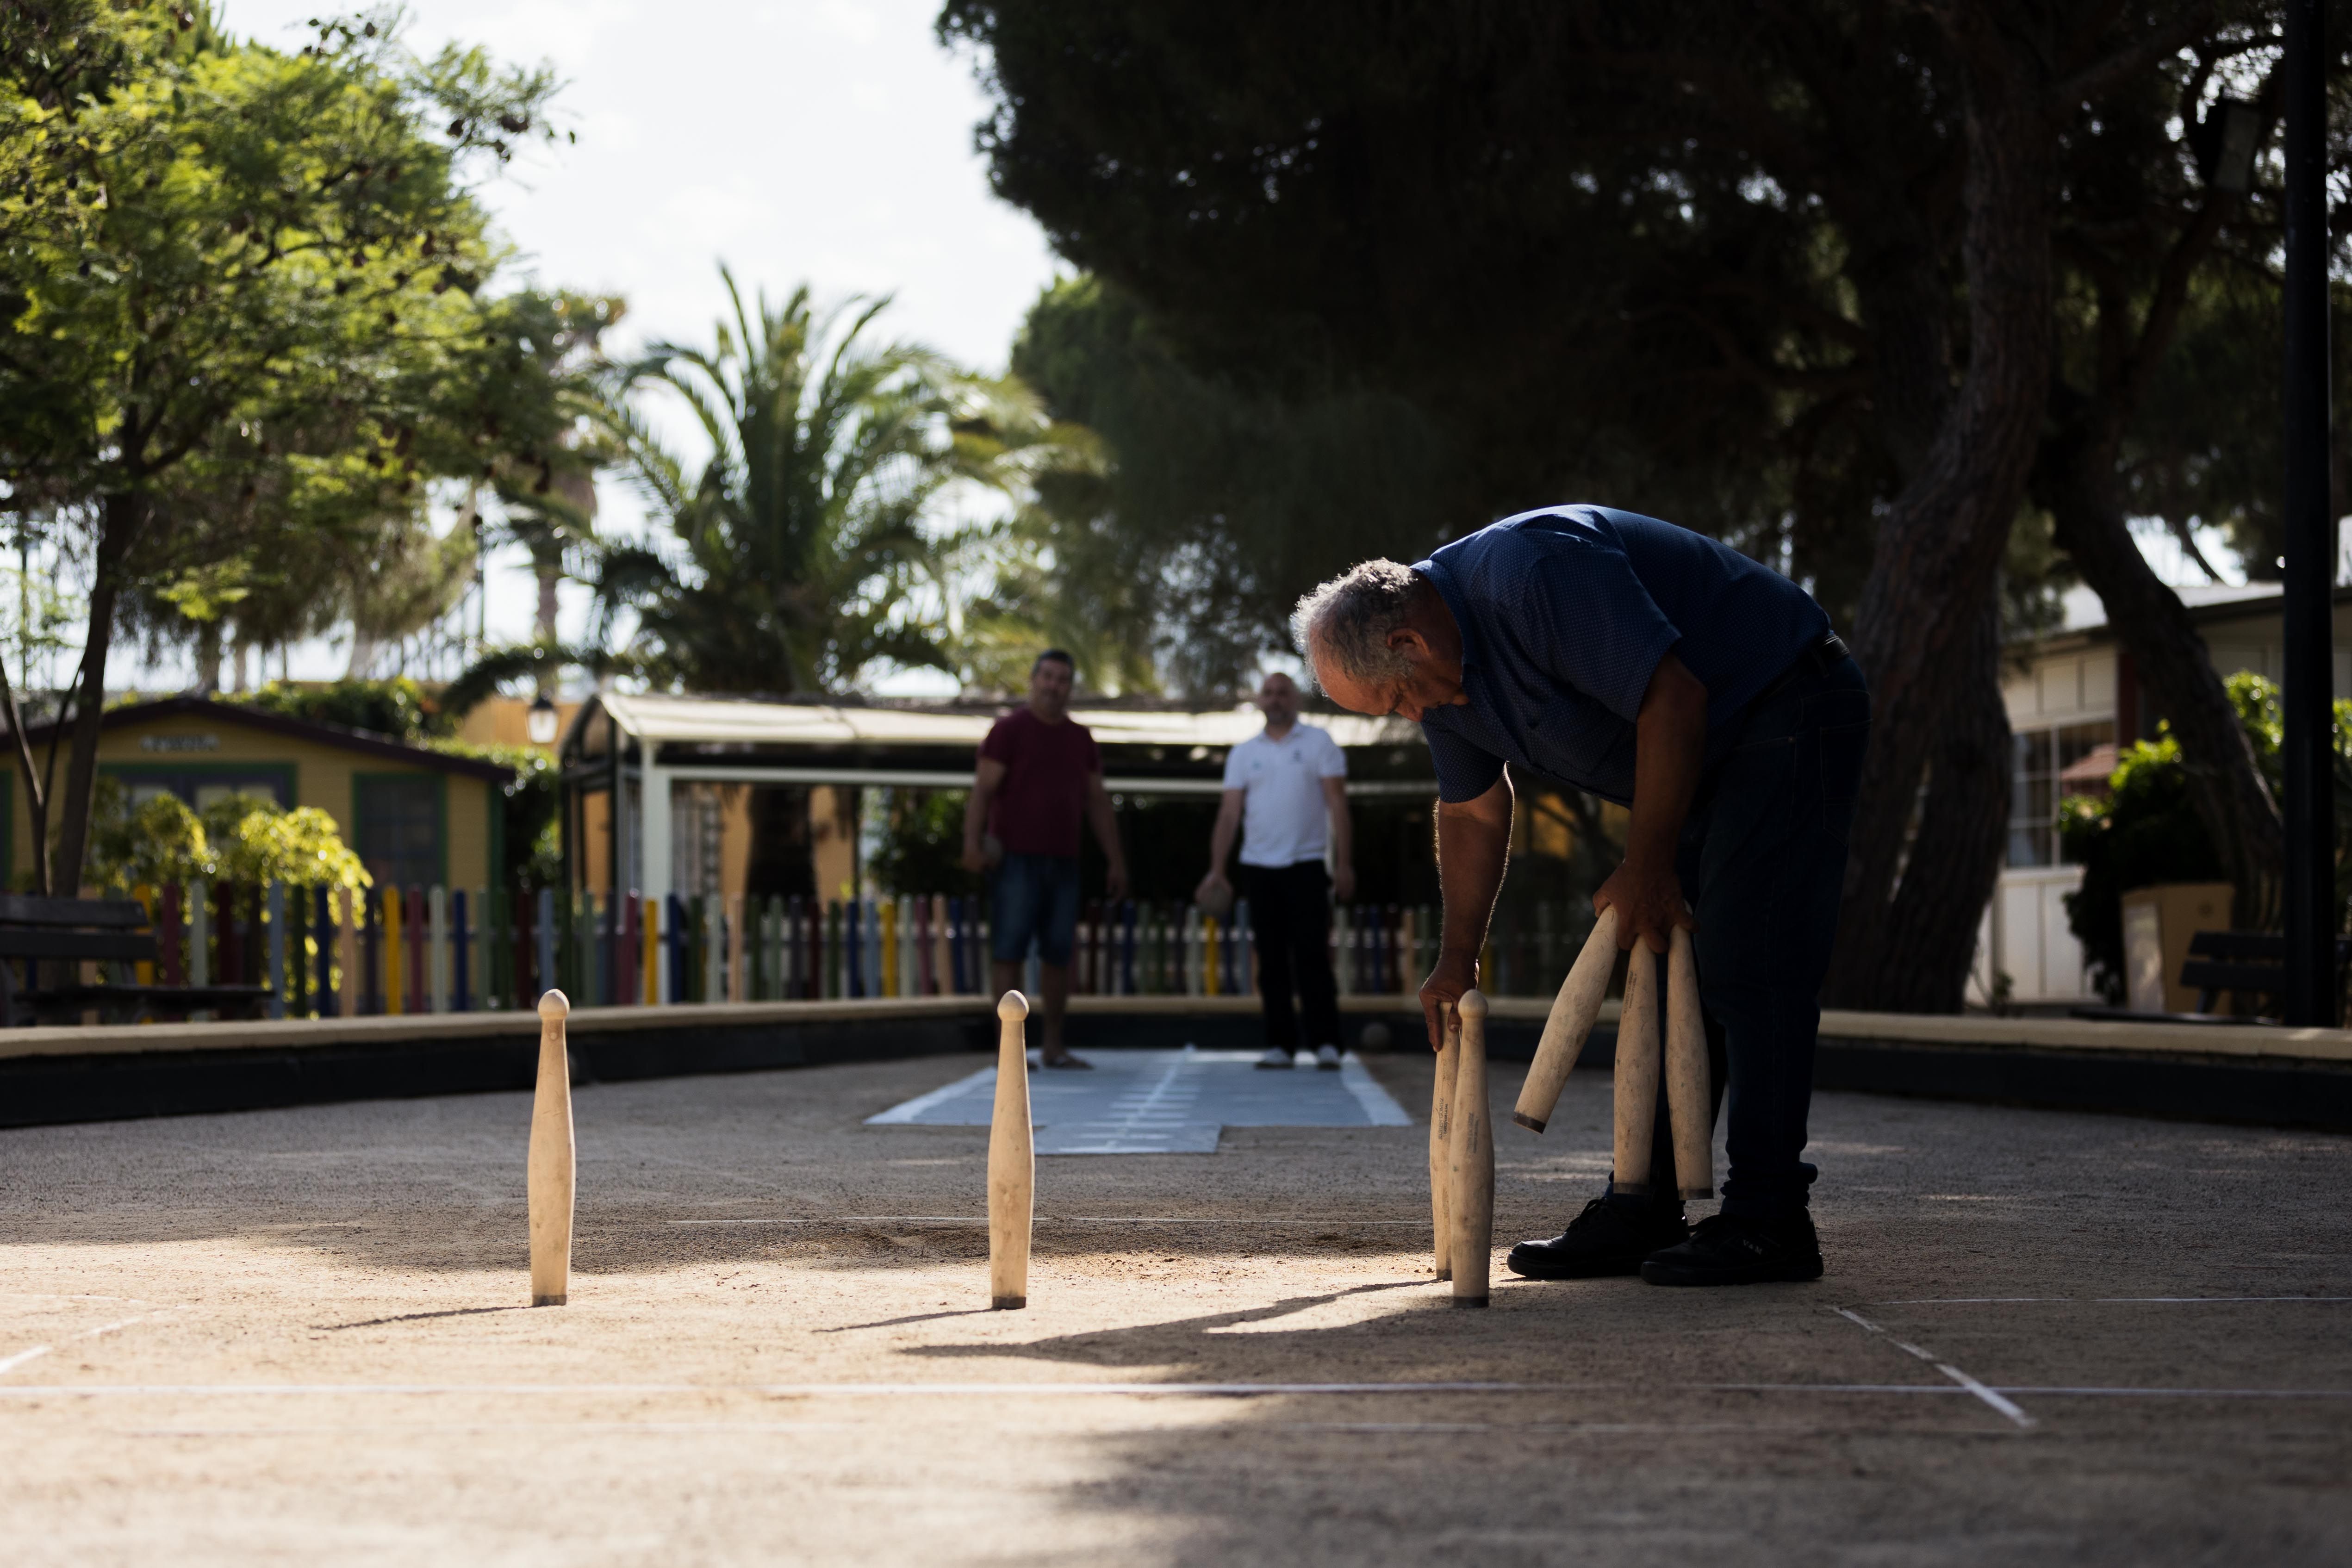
[[1656, 668]]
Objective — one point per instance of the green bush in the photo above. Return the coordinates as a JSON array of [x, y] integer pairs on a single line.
[[242, 839], [396, 707], [2146, 832], [921, 847]]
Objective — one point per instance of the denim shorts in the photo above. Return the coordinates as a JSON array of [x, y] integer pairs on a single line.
[[1034, 897]]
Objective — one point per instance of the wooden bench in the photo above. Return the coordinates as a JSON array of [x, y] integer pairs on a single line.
[[2248, 962], [36, 930], [2253, 962]]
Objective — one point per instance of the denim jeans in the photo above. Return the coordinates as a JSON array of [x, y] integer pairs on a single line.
[[1034, 897], [1762, 861]]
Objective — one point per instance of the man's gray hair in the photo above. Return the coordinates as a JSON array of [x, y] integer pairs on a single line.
[[1349, 619]]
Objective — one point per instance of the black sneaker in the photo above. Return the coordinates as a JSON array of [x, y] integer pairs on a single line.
[[1606, 1239], [1733, 1249]]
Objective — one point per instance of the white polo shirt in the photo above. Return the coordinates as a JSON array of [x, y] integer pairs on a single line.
[[1283, 818]]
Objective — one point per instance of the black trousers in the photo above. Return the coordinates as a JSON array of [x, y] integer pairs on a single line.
[[1290, 918], [1762, 862]]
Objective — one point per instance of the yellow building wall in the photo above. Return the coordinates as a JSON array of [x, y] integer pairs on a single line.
[[322, 777]]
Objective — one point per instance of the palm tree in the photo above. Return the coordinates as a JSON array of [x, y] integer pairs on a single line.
[[799, 552]]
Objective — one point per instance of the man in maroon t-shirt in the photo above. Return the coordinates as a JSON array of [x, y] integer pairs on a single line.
[[1039, 773]]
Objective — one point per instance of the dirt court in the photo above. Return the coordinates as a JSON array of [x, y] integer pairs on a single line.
[[296, 1336]]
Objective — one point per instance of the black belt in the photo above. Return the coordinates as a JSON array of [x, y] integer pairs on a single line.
[[1819, 660]]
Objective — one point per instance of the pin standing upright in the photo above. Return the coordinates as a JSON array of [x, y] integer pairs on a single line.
[[1012, 1163], [1471, 1176], [1687, 1104], [551, 1165], [1440, 1149], [1636, 1072]]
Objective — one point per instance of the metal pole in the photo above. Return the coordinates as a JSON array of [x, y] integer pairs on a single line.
[[2307, 697]]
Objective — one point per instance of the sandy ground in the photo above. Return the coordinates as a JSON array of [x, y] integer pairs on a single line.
[[296, 1336]]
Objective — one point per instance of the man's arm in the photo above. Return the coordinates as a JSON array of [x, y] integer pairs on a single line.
[[1474, 845], [986, 780], [1105, 826], [1221, 841], [1669, 753], [1343, 839]]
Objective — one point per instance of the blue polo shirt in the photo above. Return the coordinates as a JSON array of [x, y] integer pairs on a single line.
[[1564, 614]]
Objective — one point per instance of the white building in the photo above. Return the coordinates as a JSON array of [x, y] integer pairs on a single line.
[[2073, 697]]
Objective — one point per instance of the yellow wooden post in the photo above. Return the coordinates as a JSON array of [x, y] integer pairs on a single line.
[[396, 1000]]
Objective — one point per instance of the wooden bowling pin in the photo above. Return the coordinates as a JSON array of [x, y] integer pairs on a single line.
[[550, 1181], [1572, 1014], [1687, 1073], [1012, 1163], [1472, 1177], [1441, 1148], [1637, 1072]]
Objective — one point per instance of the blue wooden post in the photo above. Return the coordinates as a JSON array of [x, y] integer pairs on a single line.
[[461, 972]]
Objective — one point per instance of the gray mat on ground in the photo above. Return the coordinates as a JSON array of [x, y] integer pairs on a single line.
[[1162, 1102]]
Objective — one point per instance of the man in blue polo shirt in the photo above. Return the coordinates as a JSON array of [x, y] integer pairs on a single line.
[[1656, 668]]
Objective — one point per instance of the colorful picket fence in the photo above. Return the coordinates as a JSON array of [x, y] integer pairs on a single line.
[[332, 953]]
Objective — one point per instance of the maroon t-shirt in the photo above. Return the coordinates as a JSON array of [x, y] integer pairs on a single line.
[[1039, 806]]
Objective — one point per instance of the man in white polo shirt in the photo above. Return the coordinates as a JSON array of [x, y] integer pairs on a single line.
[[1286, 790]]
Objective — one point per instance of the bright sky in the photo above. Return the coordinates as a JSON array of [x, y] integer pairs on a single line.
[[816, 140]]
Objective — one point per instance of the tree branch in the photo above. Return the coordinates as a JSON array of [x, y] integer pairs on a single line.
[[2094, 80]]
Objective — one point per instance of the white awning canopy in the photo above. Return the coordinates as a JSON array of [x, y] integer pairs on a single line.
[[718, 721]]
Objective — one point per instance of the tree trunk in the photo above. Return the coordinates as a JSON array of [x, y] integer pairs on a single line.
[[124, 516], [208, 657], [1954, 860], [1920, 634], [2233, 801]]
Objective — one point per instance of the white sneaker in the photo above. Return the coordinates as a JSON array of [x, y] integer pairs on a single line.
[[1304, 1059], [1275, 1056], [1327, 1057]]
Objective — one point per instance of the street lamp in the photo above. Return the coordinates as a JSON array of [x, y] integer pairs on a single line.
[[542, 722]]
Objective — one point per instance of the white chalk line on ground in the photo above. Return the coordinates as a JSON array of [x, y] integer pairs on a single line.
[[1999, 1401], [1051, 1219], [1099, 1390], [10, 1364], [2095, 1300]]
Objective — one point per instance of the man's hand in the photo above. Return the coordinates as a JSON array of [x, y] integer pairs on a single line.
[[974, 858], [1649, 904], [1114, 882], [1343, 882], [1453, 976], [1211, 885]]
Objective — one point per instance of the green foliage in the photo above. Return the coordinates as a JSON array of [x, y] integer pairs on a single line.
[[161, 841], [239, 323], [240, 837], [796, 552], [2146, 832], [530, 802], [395, 707], [256, 842], [1182, 512], [921, 847]]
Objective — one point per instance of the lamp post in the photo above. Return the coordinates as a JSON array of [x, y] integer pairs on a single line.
[[2309, 688]]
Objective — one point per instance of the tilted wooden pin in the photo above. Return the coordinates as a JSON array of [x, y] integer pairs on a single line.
[[1572, 1014], [1472, 1176], [551, 1174], [1012, 1164]]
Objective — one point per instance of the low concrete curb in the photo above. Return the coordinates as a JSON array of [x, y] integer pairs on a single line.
[[2284, 1078]]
